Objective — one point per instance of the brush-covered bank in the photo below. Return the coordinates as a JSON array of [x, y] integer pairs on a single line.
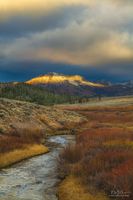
[[15, 156], [25, 126]]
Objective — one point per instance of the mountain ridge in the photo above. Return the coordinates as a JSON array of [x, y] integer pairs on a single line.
[[57, 85], [55, 78], [77, 85]]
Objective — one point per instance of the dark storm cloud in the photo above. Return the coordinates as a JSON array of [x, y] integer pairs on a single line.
[[38, 36], [93, 35], [17, 26], [21, 71]]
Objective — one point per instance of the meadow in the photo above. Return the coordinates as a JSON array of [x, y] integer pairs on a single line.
[[102, 158]]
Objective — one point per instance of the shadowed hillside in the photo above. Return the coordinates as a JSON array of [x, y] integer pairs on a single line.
[[36, 94]]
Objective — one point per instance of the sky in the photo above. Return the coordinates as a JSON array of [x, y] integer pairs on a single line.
[[93, 38]]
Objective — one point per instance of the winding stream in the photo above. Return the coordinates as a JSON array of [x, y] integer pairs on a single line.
[[36, 178]]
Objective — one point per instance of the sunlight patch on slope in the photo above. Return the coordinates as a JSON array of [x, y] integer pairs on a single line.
[[55, 79]]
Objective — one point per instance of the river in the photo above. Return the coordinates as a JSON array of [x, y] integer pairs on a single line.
[[35, 178]]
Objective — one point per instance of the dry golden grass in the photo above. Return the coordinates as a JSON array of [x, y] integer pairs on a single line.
[[72, 189], [119, 143], [12, 157], [24, 141], [22, 134], [21, 142]]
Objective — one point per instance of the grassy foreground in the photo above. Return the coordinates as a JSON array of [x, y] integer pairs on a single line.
[[72, 188], [9, 158], [103, 154]]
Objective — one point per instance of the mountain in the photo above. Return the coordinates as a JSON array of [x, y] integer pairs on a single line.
[[55, 78], [127, 83], [56, 88], [77, 85], [66, 84]]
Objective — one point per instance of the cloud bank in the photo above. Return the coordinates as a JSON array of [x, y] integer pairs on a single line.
[[84, 33]]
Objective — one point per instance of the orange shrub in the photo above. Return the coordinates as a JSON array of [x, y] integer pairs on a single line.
[[105, 154], [119, 178]]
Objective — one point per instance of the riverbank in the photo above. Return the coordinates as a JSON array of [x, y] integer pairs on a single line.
[[21, 143], [47, 118], [36, 178], [12, 157], [24, 127]]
